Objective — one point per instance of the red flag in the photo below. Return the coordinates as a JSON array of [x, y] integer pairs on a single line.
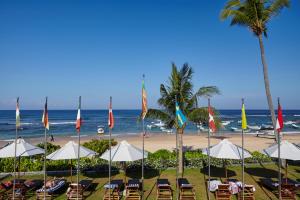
[[211, 120], [111, 121], [79, 119], [279, 122]]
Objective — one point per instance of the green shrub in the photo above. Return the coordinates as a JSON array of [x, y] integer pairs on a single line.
[[99, 146]]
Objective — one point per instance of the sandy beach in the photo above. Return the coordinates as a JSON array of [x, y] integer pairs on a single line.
[[153, 142]]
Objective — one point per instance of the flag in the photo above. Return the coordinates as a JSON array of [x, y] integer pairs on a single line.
[[279, 122], [18, 123], [111, 121], [79, 119], [244, 119], [212, 126], [45, 116], [144, 101], [181, 119]]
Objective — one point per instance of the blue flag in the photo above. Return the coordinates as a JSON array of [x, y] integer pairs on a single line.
[[180, 116]]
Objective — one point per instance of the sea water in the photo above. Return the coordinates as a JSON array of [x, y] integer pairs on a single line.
[[62, 122]]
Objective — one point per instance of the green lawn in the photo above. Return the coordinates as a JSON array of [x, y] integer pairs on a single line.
[[195, 176]]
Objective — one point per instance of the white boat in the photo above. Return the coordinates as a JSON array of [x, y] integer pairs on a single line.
[[168, 130], [201, 128], [255, 128], [234, 129], [100, 130], [159, 124], [225, 123], [295, 126], [149, 126], [267, 127]]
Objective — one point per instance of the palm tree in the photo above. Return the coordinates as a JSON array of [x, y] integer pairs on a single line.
[[180, 89], [255, 15]]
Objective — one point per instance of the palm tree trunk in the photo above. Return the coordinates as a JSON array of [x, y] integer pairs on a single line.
[[180, 153], [266, 79]]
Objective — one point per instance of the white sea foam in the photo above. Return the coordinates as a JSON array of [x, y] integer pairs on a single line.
[[296, 115], [61, 123]]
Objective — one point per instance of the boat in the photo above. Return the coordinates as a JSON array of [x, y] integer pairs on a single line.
[[266, 127], [295, 126], [225, 123], [159, 124], [149, 126], [201, 128], [234, 129], [255, 128], [100, 130], [168, 130], [289, 123]]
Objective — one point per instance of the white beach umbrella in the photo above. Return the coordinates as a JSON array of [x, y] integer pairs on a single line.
[[23, 149], [226, 150], [124, 151], [288, 151], [70, 151]]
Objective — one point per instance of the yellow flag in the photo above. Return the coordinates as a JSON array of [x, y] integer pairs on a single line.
[[244, 119]]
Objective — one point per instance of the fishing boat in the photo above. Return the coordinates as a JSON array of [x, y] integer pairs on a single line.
[[159, 124], [225, 123], [254, 128], [295, 126], [266, 127], [100, 130], [234, 129]]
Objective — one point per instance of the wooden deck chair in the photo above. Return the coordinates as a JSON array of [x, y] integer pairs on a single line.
[[133, 191], [223, 192], [186, 190], [248, 193], [114, 189], [20, 192], [163, 190], [288, 192], [81, 187]]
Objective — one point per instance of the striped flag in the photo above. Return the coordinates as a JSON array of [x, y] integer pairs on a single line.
[[212, 126], [279, 122], [144, 101], [111, 121], [79, 119], [18, 123], [45, 116], [181, 119], [244, 119]]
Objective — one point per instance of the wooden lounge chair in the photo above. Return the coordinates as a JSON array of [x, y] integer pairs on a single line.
[[186, 190], [113, 190], [59, 184], [288, 192], [133, 190], [81, 187], [163, 190], [223, 192], [20, 192], [248, 193]]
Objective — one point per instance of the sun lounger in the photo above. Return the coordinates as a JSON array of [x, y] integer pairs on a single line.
[[133, 190], [288, 192], [113, 190], [248, 193], [186, 190], [20, 192], [223, 192], [75, 191], [163, 190], [58, 185]]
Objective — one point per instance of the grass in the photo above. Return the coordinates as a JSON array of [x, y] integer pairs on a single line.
[[196, 177]]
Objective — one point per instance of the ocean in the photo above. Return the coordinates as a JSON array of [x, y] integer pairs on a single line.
[[62, 122]]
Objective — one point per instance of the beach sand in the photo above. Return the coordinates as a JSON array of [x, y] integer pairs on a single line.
[[155, 141]]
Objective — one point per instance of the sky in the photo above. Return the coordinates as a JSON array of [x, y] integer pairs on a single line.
[[96, 49]]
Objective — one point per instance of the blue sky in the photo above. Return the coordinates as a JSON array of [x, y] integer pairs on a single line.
[[63, 49]]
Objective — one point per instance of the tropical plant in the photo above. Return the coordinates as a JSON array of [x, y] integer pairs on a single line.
[[255, 15], [180, 89]]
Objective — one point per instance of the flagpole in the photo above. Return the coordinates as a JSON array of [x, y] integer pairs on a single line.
[[109, 169], [143, 143], [45, 153], [16, 138], [208, 153], [176, 164], [243, 161], [279, 159], [78, 152]]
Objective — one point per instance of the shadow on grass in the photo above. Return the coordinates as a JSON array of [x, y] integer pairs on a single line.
[[218, 172], [136, 173], [103, 173], [261, 172]]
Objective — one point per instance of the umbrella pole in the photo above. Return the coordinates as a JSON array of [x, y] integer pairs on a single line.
[[208, 153], [286, 171], [45, 154], [78, 152], [71, 170], [279, 167]]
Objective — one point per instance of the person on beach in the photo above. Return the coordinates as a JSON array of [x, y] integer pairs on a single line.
[[51, 138]]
